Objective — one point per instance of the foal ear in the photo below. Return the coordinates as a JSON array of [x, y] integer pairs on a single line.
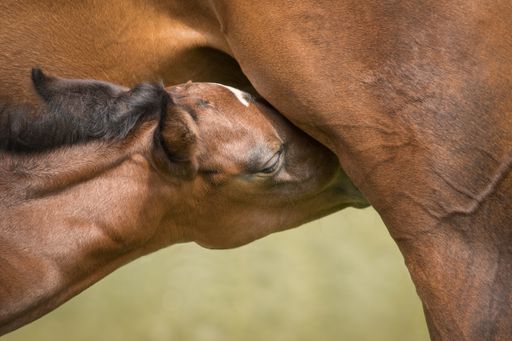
[[178, 136], [43, 83], [79, 110]]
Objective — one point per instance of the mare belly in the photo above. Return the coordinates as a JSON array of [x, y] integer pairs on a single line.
[[116, 41]]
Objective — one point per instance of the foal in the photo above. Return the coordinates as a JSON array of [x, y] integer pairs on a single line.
[[101, 175]]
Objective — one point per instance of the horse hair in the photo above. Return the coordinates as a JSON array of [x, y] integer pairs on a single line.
[[78, 111]]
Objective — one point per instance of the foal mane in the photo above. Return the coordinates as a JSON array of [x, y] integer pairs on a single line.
[[78, 111]]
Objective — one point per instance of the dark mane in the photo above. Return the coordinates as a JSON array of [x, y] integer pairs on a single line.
[[77, 111]]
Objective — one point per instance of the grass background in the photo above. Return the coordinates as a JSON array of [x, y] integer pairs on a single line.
[[339, 278]]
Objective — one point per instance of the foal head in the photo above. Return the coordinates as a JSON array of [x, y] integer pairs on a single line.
[[152, 166]]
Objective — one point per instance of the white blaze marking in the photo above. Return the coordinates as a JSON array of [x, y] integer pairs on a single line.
[[240, 95]]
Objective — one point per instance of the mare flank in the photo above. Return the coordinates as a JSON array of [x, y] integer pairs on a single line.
[[414, 98]]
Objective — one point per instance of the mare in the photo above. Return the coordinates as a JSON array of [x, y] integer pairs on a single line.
[[414, 98]]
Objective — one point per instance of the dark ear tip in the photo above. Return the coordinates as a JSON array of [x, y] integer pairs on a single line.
[[37, 75], [42, 83]]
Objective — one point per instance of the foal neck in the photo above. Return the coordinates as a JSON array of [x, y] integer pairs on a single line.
[[69, 218]]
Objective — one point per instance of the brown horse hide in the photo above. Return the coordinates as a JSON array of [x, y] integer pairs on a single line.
[[100, 174], [414, 97]]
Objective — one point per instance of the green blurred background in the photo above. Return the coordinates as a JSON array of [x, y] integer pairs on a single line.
[[339, 278]]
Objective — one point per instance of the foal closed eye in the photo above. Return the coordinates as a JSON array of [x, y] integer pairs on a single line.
[[273, 164]]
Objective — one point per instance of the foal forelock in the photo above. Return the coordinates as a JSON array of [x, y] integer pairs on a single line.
[[78, 111]]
